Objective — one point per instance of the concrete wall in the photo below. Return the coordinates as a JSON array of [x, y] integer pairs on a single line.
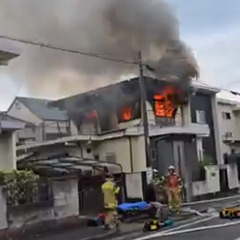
[[7, 151], [3, 210], [210, 185], [65, 194], [65, 204], [232, 173]]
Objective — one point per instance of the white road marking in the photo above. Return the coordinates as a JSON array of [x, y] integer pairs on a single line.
[[211, 200], [185, 223], [202, 228], [163, 233]]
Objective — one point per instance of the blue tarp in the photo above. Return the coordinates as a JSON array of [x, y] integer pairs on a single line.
[[133, 206]]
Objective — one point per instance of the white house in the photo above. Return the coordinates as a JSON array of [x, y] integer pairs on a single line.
[[43, 122], [229, 120]]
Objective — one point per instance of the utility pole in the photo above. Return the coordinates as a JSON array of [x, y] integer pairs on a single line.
[[144, 111]]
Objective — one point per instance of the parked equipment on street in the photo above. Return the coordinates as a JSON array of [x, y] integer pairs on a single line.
[[154, 225], [230, 213]]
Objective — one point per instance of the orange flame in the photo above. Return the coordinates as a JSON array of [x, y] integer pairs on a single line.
[[126, 113], [163, 106]]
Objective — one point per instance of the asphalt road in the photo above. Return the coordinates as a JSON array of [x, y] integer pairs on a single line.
[[224, 233], [193, 230], [213, 229]]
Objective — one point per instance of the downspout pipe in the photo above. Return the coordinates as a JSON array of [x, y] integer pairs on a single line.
[[131, 154]]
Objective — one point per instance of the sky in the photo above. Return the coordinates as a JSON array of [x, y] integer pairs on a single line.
[[210, 28]]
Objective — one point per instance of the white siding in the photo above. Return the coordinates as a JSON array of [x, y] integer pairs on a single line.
[[120, 147], [18, 110], [138, 152], [124, 154], [88, 128], [228, 126], [53, 127]]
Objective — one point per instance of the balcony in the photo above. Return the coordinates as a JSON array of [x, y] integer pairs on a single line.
[[200, 130]]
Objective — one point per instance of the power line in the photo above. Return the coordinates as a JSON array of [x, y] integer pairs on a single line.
[[74, 51], [233, 82]]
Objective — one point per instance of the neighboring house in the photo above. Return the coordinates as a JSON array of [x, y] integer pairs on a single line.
[[8, 142], [43, 122], [229, 117], [229, 120]]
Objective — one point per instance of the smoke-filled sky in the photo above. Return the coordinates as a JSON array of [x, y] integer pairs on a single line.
[[115, 27]]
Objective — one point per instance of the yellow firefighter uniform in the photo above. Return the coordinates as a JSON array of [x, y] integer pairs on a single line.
[[173, 188], [110, 192]]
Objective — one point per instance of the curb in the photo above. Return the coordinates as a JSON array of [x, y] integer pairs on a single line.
[[212, 200]]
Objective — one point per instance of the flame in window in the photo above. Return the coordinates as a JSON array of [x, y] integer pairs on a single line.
[[92, 114], [126, 113], [163, 105]]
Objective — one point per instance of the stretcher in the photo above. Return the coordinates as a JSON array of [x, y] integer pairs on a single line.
[[128, 210]]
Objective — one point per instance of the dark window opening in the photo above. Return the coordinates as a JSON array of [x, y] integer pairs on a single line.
[[226, 115]]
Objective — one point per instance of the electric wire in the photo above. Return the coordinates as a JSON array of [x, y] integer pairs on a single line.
[[74, 51]]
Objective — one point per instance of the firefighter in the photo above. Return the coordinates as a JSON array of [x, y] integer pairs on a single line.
[[173, 189], [110, 192], [150, 196]]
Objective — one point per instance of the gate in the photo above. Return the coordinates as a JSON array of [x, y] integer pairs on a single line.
[[91, 197]]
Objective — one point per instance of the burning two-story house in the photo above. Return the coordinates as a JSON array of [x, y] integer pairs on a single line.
[[182, 124], [180, 133]]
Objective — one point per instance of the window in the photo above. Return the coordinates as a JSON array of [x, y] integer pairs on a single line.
[[200, 116], [17, 106], [129, 113], [111, 158], [226, 115]]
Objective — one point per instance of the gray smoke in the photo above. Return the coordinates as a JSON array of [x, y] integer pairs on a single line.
[[118, 28]]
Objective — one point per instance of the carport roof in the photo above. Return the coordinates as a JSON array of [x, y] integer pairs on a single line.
[[68, 166]]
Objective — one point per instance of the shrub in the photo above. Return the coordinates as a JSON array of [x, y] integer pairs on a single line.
[[21, 186]]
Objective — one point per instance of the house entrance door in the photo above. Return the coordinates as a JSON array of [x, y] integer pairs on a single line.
[[180, 166], [178, 154]]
